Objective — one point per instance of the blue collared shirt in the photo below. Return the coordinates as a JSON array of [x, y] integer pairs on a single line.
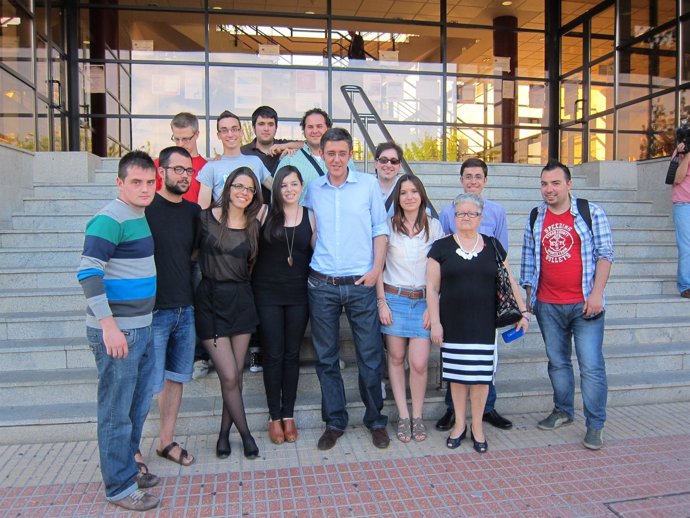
[[595, 245], [348, 218], [493, 222]]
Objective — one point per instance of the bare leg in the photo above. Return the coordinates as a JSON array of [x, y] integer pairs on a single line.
[[459, 393], [418, 355], [478, 395], [396, 372], [169, 404]]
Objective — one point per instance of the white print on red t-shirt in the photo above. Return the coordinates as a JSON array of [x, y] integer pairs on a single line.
[[558, 242]]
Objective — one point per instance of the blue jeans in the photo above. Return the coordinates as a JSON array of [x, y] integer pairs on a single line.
[[124, 397], [681, 218], [490, 400], [560, 324], [326, 303], [174, 338]]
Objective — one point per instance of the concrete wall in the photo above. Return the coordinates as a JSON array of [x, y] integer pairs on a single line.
[[651, 175], [16, 178]]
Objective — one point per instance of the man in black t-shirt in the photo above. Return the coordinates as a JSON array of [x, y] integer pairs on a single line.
[[173, 221]]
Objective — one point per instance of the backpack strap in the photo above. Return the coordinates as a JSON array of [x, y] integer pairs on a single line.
[[582, 208]]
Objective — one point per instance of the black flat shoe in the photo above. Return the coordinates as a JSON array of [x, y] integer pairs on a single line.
[[446, 422], [479, 447], [251, 450], [454, 442], [223, 449]]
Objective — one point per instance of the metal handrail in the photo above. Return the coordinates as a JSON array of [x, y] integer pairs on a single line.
[[362, 120]]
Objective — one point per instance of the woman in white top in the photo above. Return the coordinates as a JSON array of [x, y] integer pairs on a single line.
[[401, 300]]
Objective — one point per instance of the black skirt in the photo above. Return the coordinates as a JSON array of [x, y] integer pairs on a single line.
[[224, 309]]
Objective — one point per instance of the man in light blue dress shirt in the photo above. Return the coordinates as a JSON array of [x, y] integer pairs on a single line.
[[348, 258], [473, 177]]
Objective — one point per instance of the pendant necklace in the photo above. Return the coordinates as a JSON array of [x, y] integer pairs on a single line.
[[467, 255], [291, 243]]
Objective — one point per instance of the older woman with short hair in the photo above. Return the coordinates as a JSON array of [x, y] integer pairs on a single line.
[[461, 300]]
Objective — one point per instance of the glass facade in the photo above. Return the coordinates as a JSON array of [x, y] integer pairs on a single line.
[[450, 80]]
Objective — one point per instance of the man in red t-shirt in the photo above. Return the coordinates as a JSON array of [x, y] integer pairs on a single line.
[[185, 133], [566, 261]]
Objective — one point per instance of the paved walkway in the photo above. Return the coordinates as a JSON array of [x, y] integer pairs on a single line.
[[643, 471]]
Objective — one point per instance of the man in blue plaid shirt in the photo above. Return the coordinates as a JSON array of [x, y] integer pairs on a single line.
[[566, 261]]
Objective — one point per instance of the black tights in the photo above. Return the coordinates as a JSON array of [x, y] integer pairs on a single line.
[[228, 359], [281, 335]]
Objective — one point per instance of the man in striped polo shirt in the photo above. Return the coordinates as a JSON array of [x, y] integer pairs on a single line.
[[118, 275]]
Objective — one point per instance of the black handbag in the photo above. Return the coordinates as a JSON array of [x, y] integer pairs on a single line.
[[507, 310]]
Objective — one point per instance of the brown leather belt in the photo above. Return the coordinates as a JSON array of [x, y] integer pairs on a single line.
[[335, 281], [403, 292]]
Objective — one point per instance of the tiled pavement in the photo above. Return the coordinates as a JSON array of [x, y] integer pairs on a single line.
[[643, 471]]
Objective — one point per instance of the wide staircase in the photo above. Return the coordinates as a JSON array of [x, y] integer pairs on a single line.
[[47, 374]]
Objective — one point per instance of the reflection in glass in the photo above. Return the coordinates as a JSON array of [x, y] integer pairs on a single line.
[[641, 16], [16, 39], [168, 89], [571, 98], [571, 50], [571, 145], [16, 113]]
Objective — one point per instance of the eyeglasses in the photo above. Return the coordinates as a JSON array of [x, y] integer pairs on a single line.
[[384, 160], [468, 214], [182, 140], [225, 131], [179, 170], [242, 188], [477, 177]]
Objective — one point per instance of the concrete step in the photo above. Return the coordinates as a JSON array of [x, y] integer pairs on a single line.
[[75, 190], [58, 277], [39, 238], [39, 257], [64, 205], [79, 384], [45, 354], [42, 300], [201, 415], [633, 286], [39, 325]]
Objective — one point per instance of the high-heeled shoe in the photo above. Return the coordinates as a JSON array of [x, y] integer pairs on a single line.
[[479, 447], [454, 442], [251, 450], [223, 449]]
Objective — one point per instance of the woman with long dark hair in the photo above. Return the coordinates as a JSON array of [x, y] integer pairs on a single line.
[[224, 303], [401, 293], [280, 291]]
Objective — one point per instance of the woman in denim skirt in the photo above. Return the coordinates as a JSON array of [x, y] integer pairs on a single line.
[[401, 301]]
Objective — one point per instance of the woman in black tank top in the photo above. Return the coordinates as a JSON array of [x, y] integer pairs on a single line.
[[280, 291]]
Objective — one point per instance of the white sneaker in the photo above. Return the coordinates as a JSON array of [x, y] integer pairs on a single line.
[[200, 370], [342, 364], [255, 362]]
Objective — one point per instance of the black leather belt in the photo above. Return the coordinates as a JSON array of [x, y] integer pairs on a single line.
[[335, 281]]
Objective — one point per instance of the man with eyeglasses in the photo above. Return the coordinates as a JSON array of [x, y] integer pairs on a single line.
[[173, 222], [185, 134], [213, 175], [473, 178]]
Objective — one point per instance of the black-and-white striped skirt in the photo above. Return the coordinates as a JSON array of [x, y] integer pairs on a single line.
[[469, 363]]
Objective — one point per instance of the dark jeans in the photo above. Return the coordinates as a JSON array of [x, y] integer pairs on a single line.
[[326, 303], [282, 331], [490, 401]]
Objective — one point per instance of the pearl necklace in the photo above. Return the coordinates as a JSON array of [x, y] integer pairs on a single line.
[[467, 255]]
